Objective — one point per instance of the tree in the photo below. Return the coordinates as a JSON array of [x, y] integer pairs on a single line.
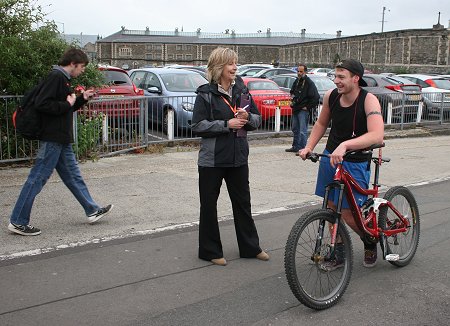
[[29, 45]]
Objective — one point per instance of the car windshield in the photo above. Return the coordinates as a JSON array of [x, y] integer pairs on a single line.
[[442, 83], [398, 80], [262, 85], [182, 82], [323, 84], [116, 77]]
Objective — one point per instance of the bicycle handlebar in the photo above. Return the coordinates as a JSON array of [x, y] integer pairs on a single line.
[[314, 157]]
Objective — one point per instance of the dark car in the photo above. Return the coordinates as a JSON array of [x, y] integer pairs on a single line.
[[266, 73], [395, 94], [169, 89]]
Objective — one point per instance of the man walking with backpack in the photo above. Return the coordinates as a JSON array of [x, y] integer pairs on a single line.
[[56, 102]]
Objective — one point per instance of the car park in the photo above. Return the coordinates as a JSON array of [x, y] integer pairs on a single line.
[[116, 97], [253, 65], [436, 100], [167, 90], [266, 73], [322, 83], [398, 97], [268, 96], [249, 72], [318, 71]]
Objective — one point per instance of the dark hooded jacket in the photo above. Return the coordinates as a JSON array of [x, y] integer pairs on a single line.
[[305, 94], [220, 145], [56, 112]]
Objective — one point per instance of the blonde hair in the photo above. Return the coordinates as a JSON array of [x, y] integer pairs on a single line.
[[218, 58]]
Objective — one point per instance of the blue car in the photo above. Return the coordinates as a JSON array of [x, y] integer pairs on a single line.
[[168, 89]]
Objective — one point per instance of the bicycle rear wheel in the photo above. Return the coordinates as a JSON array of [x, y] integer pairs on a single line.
[[404, 244], [312, 284]]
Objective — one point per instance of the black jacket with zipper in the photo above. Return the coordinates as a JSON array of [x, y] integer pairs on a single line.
[[56, 112], [305, 94], [220, 145]]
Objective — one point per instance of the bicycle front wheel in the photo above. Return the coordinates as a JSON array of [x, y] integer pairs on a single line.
[[307, 260], [403, 244]]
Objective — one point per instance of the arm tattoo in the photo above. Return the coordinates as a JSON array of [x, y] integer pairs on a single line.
[[373, 112]]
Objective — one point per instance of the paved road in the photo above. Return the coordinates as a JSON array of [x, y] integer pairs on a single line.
[[157, 280], [147, 272]]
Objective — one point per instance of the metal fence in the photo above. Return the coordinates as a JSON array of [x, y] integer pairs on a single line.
[[113, 125]]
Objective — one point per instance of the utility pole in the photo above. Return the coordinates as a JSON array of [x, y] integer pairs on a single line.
[[382, 19]]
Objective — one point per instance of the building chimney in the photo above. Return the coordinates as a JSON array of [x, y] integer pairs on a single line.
[[303, 34], [338, 34]]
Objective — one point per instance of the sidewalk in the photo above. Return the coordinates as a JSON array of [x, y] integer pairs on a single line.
[[156, 192]]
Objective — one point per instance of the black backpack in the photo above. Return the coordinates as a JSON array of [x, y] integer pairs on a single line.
[[26, 119]]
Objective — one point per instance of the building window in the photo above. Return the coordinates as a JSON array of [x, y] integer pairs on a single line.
[[179, 57], [187, 47], [149, 56], [125, 52], [157, 56], [148, 47], [179, 47], [157, 47], [170, 56], [188, 56]]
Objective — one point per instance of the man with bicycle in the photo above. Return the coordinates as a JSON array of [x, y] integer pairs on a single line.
[[356, 123]]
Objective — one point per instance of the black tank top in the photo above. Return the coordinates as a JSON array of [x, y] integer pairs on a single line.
[[347, 123]]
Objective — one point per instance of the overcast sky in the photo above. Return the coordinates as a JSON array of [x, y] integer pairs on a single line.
[[352, 17]]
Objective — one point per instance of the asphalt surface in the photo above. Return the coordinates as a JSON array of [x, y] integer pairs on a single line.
[[139, 265]]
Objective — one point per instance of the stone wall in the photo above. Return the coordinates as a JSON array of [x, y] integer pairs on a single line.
[[421, 50], [424, 50]]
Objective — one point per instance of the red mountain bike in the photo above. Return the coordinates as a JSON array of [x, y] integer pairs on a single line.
[[393, 221]]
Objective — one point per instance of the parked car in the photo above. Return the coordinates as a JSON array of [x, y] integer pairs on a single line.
[[267, 96], [249, 72], [117, 103], [266, 73], [398, 92], [322, 83], [435, 98], [318, 71], [169, 88], [253, 65]]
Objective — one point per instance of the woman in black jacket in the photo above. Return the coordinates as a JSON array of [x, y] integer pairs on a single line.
[[223, 113]]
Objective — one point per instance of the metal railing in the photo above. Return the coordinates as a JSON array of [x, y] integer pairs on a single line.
[[115, 125]]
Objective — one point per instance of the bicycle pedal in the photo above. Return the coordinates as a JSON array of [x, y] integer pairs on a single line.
[[392, 257]]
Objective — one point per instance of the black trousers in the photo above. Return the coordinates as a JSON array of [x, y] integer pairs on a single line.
[[210, 181]]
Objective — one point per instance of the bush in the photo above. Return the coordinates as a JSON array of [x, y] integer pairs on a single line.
[[89, 131]]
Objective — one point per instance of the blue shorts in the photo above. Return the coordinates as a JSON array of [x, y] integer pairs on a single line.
[[359, 171]]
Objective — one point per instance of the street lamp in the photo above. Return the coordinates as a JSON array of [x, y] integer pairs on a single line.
[[382, 19]]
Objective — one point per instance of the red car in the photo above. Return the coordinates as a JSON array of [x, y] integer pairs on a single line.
[[268, 96], [118, 85]]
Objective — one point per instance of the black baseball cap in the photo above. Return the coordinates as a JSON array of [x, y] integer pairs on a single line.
[[355, 67]]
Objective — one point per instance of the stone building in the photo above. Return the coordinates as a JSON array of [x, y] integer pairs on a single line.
[[414, 50]]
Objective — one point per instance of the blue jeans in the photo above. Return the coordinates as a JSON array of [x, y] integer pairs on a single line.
[[300, 129], [50, 156]]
